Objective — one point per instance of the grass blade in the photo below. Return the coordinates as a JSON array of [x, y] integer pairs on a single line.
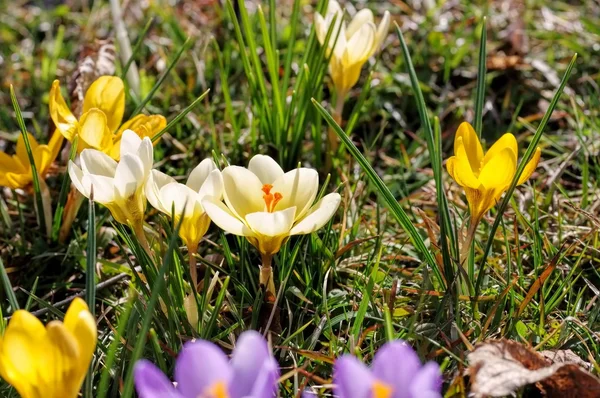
[[10, 293], [136, 47], [181, 115], [481, 72], [90, 281]]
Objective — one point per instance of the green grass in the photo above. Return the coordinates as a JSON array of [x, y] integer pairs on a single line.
[[386, 266]]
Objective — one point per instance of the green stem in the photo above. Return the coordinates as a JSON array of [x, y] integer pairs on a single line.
[[192, 250], [266, 275], [138, 230]]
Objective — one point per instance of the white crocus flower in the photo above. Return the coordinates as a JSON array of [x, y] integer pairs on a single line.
[[119, 186], [267, 206], [355, 43], [185, 200]]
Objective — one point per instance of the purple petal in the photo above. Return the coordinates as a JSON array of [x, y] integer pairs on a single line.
[[199, 367], [397, 364], [249, 355], [150, 381], [429, 379], [266, 383], [352, 379]]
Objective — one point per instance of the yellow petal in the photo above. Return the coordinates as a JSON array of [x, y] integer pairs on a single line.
[[107, 93], [506, 141], [148, 125], [60, 113], [21, 151], [94, 131], [471, 144], [530, 166], [461, 167], [55, 144], [11, 164], [43, 158], [499, 170], [18, 181], [80, 322], [60, 370]]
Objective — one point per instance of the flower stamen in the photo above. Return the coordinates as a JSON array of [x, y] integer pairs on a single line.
[[381, 390], [271, 199]]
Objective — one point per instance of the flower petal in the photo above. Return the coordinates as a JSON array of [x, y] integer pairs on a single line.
[[360, 45], [530, 166], [499, 171], [471, 144], [429, 379], [82, 325], [362, 17], [200, 173], [145, 153], [156, 181], [129, 176], [298, 188], [396, 364], [242, 191], [77, 178], [351, 378], [60, 113], [151, 382], [130, 142], [102, 187], [250, 354], [224, 218], [181, 198], [200, 366], [382, 31], [21, 150], [94, 132], [98, 163], [272, 224], [318, 215], [265, 384], [212, 186], [107, 93], [506, 141], [265, 168], [462, 170]]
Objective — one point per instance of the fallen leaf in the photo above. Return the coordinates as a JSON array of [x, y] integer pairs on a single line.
[[501, 367]]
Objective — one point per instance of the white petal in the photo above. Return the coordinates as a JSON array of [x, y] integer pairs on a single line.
[[266, 169], [102, 188], [155, 182], [77, 179], [212, 186], [146, 154], [242, 191], [298, 188], [340, 40], [320, 28], [200, 173], [333, 7], [129, 175], [96, 162], [181, 199], [382, 31], [360, 45], [224, 218], [130, 142], [362, 17], [272, 224], [319, 215]]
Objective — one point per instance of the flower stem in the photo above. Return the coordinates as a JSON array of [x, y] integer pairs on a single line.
[[138, 230], [74, 202], [332, 138], [266, 276], [192, 249]]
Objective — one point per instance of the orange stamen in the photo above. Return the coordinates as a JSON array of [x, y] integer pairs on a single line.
[[381, 390], [270, 199], [218, 390]]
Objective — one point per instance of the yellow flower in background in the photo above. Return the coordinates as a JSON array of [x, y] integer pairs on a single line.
[[51, 361], [356, 42], [15, 170], [99, 126], [486, 177]]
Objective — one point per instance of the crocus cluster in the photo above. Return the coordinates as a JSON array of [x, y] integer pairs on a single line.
[[51, 361], [202, 370]]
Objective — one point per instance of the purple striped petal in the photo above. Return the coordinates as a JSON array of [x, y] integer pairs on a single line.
[[249, 355], [396, 364], [150, 382], [352, 378], [199, 367]]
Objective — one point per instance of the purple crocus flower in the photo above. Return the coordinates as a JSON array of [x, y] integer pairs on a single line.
[[396, 372], [203, 370]]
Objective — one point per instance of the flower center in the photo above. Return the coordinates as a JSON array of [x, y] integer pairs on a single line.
[[271, 199], [217, 390], [381, 390]]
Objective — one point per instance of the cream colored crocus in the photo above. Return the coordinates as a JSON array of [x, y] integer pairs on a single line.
[[267, 206], [355, 43], [99, 126], [119, 186], [50, 361], [184, 201]]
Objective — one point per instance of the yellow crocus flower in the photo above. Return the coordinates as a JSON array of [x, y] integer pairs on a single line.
[[15, 170], [51, 361], [485, 177], [99, 126]]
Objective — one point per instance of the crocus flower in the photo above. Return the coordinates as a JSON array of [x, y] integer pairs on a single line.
[[396, 372], [355, 43], [118, 186], [185, 200], [203, 370], [267, 206], [51, 361], [486, 177], [99, 126], [15, 170]]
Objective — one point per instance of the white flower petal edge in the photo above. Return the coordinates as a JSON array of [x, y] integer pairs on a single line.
[[156, 181], [224, 218], [318, 215], [273, 224], [265, 168], [200, 173]]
